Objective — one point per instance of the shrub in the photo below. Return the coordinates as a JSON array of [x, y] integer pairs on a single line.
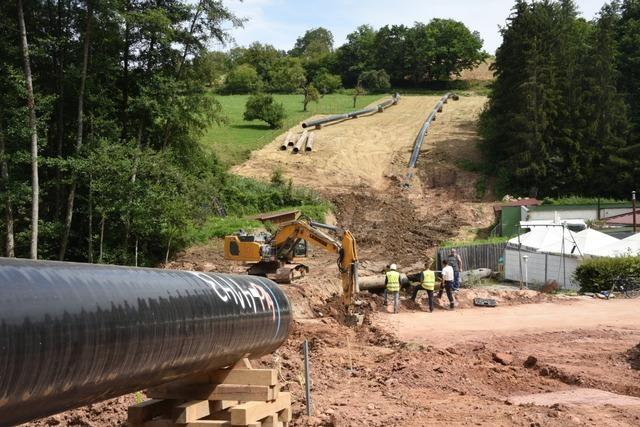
[[263, 107], [596, 275], [375, 80], [327, 83], [242, 79]]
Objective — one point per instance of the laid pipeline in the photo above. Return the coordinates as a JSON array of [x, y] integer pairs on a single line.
[[73, 334], [353, 114]]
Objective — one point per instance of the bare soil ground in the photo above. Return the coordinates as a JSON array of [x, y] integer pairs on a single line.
[[470, 366]]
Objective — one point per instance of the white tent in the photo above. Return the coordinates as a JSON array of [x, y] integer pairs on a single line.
[[586, 242], [624, 247], [632, 238], [538, 237]]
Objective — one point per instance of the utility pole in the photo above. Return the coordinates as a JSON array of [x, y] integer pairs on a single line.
[[633, 207]]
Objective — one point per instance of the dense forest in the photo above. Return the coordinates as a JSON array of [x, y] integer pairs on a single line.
[[100, 119], [373, 60], [564, 113]]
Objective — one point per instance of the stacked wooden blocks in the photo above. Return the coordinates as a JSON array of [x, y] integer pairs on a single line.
[[238, 396]]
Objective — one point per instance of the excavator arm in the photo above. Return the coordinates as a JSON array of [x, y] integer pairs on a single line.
[[346, 248]]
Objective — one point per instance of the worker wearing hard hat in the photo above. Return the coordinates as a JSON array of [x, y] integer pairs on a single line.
[[427, 282], [392, 286]]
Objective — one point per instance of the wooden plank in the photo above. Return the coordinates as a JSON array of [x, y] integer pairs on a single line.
[[164, 422], [208, 423], [191, 411], [271, 421], [219, 416], [221, 405], [251, 412], [245, 393], [266, 377], [144, 411], [285, 415]]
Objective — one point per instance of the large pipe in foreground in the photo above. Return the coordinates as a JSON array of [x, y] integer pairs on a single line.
[[73, 334]]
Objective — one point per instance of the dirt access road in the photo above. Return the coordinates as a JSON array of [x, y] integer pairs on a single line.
[[463, 325]]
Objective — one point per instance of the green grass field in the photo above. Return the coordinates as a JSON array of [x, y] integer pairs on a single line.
[[235, 140]]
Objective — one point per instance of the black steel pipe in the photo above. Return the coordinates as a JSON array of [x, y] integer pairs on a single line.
[[73, 334], [417, 145], [353, 114]]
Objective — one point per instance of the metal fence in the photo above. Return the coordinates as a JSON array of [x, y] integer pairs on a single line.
[[476, 256]]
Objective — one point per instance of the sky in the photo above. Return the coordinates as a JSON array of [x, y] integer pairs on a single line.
[[281, 22]]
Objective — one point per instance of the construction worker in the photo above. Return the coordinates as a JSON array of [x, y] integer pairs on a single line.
[[392, 286], [447, 282], [455, 262], [427, 281]]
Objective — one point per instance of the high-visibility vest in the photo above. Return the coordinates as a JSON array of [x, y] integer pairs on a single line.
[[393, 281], [428, 280]]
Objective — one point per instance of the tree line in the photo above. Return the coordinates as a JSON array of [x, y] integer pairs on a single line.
[[370, 59], [564, 113], [101, 114], [104, 103]]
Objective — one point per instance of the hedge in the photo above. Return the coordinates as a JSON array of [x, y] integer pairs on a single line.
[[598, 274]]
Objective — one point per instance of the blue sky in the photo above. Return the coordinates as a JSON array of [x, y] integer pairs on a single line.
[[280, 22]]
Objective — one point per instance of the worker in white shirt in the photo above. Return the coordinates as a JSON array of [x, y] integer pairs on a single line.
[[447, 282]]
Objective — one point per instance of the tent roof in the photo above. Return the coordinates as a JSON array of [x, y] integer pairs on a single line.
[[632, 238], [620, 248], [586, 242], [538, 237]]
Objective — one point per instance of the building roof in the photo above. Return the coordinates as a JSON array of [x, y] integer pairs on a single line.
[[277, 217], [529, 201], [623, 219]]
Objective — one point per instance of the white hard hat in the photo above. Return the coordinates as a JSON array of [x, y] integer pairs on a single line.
[[393, 267]]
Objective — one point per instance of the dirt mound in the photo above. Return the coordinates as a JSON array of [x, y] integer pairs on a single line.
[[391, 228], [464, 298], [112, 412]]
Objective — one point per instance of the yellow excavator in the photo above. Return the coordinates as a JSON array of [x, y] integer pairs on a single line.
[[273, 255]]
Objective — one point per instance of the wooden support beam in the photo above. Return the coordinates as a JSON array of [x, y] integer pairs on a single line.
[[208, 423], [252, 412], [271, 421], [221, 405], [285, 415], [266, 377], [246, 393], [139, 413], [199, 423], [191, 411]]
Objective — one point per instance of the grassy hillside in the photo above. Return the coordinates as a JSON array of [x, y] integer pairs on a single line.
[[234, 141]]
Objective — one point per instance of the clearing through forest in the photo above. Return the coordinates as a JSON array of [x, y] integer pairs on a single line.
[[358, 164]]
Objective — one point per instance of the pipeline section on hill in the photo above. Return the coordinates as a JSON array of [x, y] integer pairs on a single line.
[[417, 145], [74, 334], [353, 114]]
